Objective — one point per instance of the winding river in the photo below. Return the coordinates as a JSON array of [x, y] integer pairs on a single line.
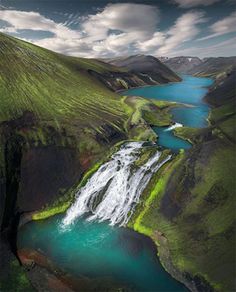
[[90, 240], [191, 92]]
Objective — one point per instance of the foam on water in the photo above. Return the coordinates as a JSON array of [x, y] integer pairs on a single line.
[[114, 189], [176, 125]]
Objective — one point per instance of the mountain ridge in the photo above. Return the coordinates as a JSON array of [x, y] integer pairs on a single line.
[[146, 65], [208, 66], [181, 64]]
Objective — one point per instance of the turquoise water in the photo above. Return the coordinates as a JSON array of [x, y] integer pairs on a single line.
[[99, 250], [169, 140], [190, 90]]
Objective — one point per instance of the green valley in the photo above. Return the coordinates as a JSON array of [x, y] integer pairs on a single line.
[[65, 123]]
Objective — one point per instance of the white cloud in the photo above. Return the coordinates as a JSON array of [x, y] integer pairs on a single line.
[[119, 29], [18, 20], [223, 26], [194, 3], [157, 40], [185, 29], [226, 48], [127, 18], [113, 31]]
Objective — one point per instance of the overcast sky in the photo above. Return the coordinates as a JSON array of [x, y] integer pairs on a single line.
[[101, 28]]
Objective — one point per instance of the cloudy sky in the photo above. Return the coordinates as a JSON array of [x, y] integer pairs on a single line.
[[102, 28]]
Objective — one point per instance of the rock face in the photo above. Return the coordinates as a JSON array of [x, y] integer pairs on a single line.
[[147, 68], [181, 64]]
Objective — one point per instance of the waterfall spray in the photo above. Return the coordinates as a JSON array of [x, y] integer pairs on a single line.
[[176, 125], [114, 189]]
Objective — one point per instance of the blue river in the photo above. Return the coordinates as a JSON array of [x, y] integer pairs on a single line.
[[191, 91]]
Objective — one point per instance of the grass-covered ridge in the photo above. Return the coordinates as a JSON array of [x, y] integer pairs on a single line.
[[51, 100], [54, 87]]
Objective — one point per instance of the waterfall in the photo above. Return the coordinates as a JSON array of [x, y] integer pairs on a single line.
[[176, 125], [114, 189]]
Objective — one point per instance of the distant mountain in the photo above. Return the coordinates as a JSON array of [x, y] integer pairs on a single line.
[[214, 66], [147, 67], [181, 64]]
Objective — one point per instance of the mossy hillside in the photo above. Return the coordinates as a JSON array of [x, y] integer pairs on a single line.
[[144, 113], [223, 119], [193, 135], [16, 279], [54, 87], [203, 227], [192, 218], [152, 111], [222, 112], [54, 101], [204, 222], [155, 187], [138, 129], [228, 128], [61, 94]]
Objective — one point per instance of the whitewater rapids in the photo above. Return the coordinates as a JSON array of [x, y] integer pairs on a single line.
[[176, 125], [114, 189]]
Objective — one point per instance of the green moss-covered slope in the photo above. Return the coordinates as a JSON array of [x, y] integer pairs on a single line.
[[188, 208], [55, 120], [54, 87], [58, 117]]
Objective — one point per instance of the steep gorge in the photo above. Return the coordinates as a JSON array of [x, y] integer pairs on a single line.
[[56, 121]]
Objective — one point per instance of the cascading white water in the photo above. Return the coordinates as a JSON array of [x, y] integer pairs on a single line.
[[114, 189], [176, 125]]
